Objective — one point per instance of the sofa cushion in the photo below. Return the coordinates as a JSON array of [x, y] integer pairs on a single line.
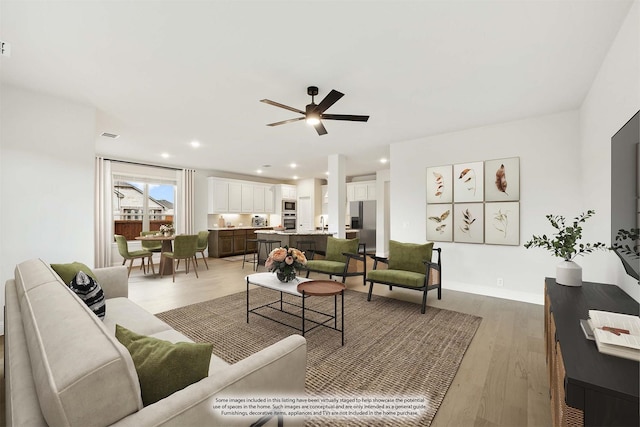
[[164, 367], [335, 248], [68, 271], [124, 312], [409, 256], [397, 277], [325, 266]]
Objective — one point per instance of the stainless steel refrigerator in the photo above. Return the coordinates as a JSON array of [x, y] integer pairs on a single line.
[[363, 219]]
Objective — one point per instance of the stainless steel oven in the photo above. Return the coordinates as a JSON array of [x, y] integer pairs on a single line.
[[289, 206], [289, 221]]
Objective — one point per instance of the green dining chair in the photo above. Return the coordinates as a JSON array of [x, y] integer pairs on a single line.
[[203, 242], [150, 245], [184, 247], [123, 248]]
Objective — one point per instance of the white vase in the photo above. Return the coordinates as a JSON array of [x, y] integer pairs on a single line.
[[568, 273]]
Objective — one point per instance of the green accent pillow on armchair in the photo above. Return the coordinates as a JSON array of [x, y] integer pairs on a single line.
[[163, 367], [335, 248], [409, 256]]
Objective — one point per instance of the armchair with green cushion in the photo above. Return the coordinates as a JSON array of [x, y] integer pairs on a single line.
[[338, 255], [410, 266]]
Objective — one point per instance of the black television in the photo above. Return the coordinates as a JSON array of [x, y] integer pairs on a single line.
[[625, 191]]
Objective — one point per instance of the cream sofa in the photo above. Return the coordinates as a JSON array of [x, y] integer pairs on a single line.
[[64, 366]]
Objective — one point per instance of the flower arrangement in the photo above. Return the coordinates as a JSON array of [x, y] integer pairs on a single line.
[[284, 262], [167, 229]]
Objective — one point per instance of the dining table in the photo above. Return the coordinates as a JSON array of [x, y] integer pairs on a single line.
[[167, 246]]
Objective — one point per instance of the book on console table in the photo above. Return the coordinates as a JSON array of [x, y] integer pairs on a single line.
[[616, 334]]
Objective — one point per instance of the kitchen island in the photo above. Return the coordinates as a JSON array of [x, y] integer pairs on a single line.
[[293, 239], [228, 241]]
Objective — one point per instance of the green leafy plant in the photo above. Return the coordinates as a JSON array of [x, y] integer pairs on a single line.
[[633, 235], [564, 243]]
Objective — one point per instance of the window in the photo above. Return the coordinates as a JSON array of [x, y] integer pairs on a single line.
[[141, 204]]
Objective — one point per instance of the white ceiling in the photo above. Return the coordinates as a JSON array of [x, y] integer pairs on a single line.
[[163, 73]]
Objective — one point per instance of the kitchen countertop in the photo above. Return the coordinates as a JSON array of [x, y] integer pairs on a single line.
[[296, 233], [239, 228]]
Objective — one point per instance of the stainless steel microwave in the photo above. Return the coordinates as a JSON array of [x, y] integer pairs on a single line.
[[289, 206]]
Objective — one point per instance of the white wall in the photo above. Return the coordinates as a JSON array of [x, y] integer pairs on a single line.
[[46, 180], [550, 176], [614, 97]]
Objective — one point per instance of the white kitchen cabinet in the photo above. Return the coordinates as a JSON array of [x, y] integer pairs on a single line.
[[247, 198], [218, 196], [371, 191], [258, 199], [235, 197], [361, 190], [289, 192], [351, 196], [269, 200]]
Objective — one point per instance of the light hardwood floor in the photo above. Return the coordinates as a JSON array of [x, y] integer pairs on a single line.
[[501, 381]]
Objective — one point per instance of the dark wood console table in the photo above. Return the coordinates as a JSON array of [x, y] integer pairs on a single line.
[[588, 387]]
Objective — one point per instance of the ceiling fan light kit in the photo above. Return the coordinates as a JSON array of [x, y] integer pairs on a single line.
[[314, 114]]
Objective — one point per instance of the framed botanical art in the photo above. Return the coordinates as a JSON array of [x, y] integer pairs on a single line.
[[468, 222], [468, 179], [439, 184], [439, 222], [502, 223], [502, 180]]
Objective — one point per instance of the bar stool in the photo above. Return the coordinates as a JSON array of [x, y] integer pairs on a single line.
[[253, 261], [268, 247], [307, 245]]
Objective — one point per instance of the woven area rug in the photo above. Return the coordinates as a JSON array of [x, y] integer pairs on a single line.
[[390, 350]]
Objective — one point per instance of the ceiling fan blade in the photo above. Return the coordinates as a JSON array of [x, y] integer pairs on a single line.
[[286, 107], [285, 122], [345, 117], [320, 129], [329, 100]]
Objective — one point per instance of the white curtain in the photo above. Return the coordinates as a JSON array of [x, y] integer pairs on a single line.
[[103, 229], [186, 201]]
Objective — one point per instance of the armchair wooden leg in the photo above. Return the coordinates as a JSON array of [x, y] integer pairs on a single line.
[[424, 301], [173, 263], [370, 291], [308, 274]]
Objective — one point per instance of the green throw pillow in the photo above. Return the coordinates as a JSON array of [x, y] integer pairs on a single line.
[[335, 248], [163, 367], [68, 271], [409, 256]]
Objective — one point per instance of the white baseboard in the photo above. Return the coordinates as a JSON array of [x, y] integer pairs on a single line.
[[495, 292]]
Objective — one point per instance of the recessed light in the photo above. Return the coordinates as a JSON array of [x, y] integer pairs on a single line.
[[164, 155], [195, 144], [327, 173], [293, 165], [295, 176], [383, 160], [259, 171]]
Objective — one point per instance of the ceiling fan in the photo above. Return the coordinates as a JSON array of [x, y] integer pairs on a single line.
[[314, 114]]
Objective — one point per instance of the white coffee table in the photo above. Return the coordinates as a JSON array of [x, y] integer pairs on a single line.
[[308, 289]]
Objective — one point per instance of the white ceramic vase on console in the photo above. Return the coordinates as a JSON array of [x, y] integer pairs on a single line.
[[568, 273]]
